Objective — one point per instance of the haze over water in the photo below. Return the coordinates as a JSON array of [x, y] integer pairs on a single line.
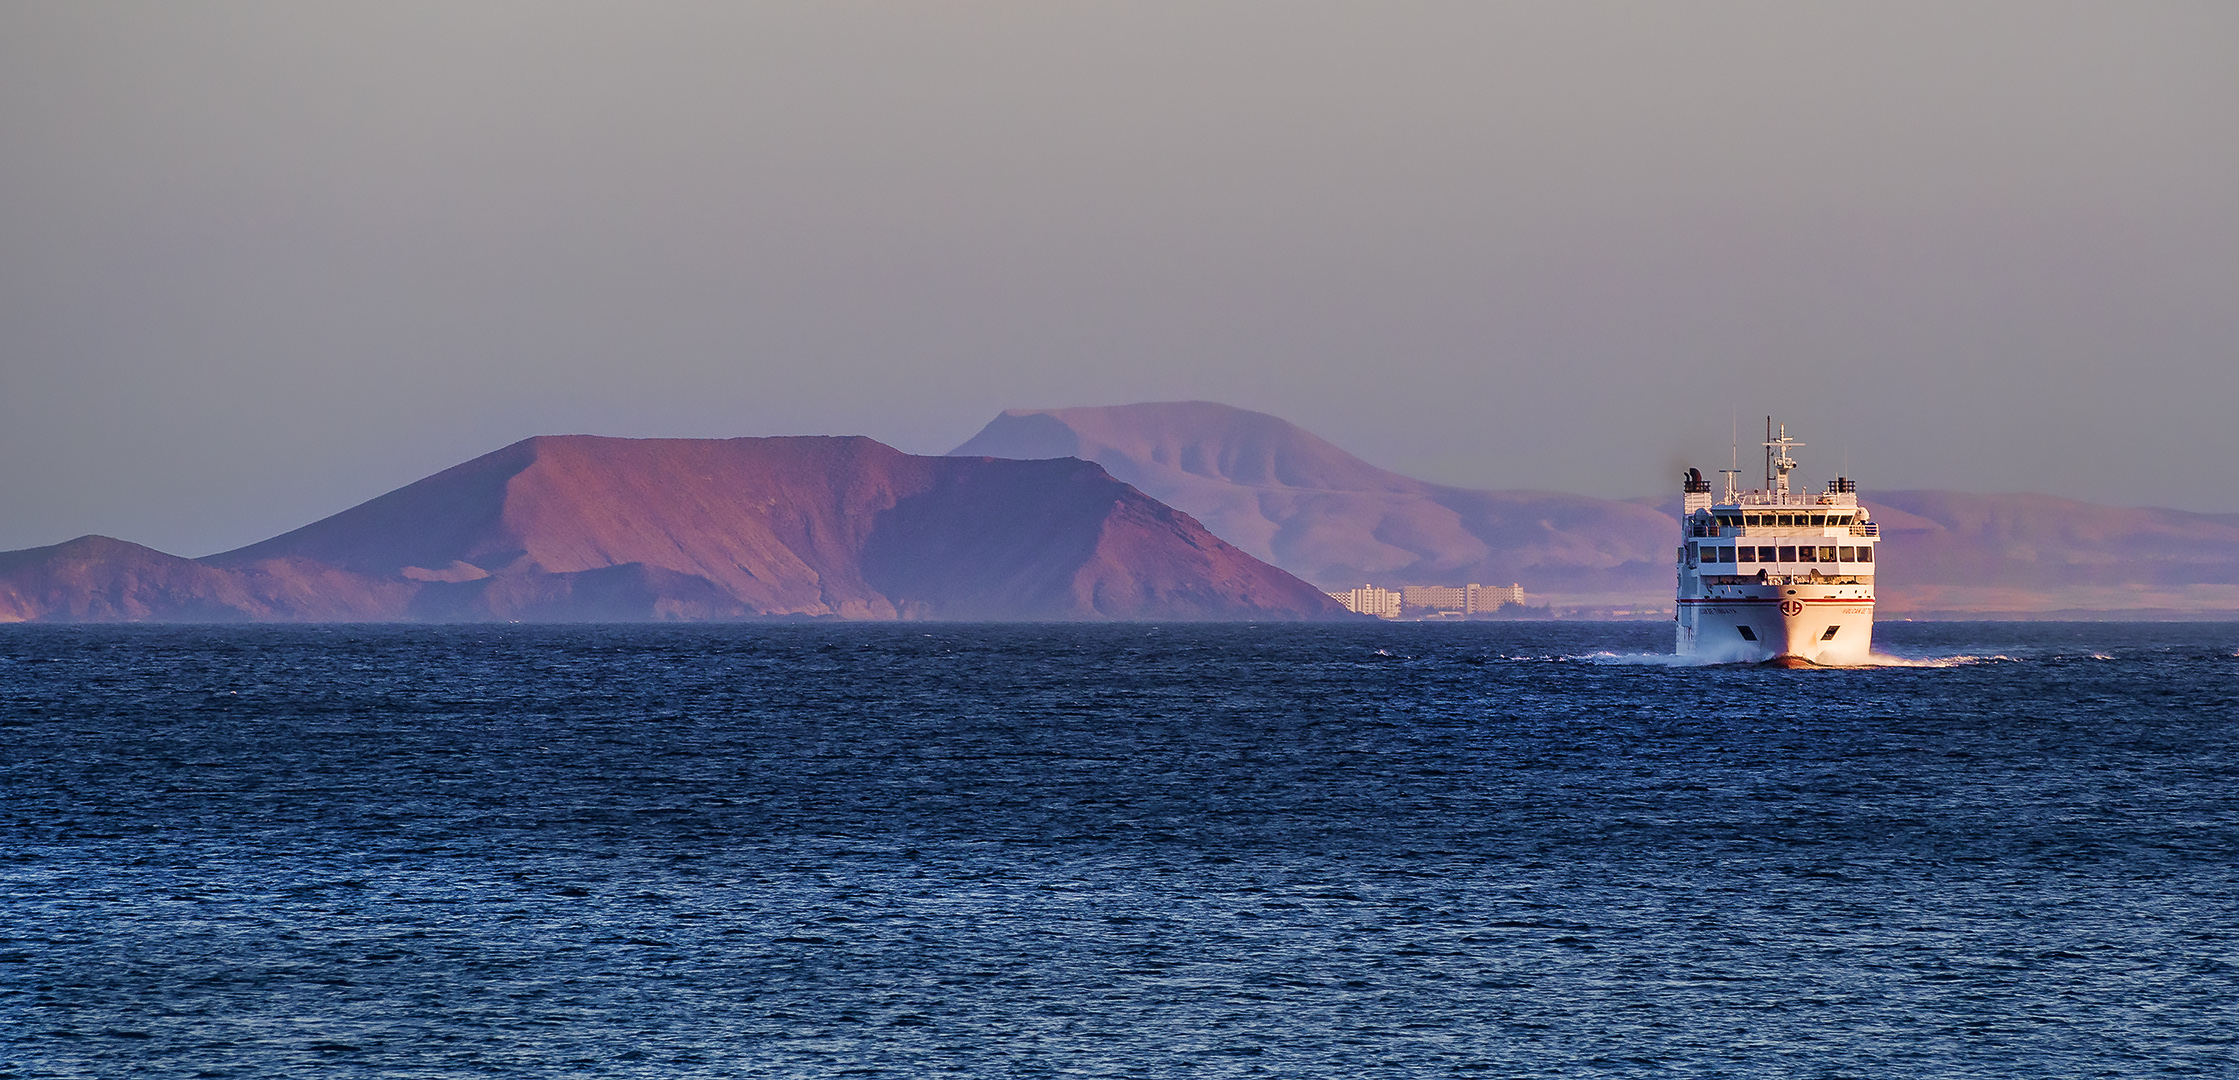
[[959, 850], [262, 262]]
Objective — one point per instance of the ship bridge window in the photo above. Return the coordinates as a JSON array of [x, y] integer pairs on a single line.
[[1848, 554], [1819, 521], [1787, 554], [1786, 519], [1748, 554], [1865, 554]]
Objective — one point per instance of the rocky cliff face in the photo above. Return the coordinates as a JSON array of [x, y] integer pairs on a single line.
[[586, 528]]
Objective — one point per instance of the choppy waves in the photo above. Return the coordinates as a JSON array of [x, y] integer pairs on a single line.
[[1507, 849]]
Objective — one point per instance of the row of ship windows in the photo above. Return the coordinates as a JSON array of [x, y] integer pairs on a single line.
[[1807, 521], [1786, 554]]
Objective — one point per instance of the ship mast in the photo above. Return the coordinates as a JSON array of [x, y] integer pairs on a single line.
[[1733, 470], [1777, 461]]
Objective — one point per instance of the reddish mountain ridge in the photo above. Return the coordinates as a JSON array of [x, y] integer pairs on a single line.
[[1292, 498], [587, 528]]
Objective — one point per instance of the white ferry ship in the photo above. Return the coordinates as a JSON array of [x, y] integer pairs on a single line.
[[1773, 575]]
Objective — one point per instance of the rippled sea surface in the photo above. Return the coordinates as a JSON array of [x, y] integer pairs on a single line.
[[1510, 850]]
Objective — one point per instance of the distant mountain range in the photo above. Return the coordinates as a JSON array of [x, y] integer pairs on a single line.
[[1293, 499], [1185, 510], [579, 528]]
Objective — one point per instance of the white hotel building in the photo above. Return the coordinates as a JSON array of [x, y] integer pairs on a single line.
[[1429, 601]]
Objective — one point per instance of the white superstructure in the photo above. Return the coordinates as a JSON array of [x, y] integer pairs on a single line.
[[1773, 574]]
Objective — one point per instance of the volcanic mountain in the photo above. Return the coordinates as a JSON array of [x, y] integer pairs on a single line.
[[586, 528], [1290, 497]]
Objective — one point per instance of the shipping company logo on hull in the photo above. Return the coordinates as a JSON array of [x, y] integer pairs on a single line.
[[1791, 608]]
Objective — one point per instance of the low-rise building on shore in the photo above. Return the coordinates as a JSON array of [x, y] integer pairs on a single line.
[[1430, 601]]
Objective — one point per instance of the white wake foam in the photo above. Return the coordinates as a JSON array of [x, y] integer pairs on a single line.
[[1877, 660], [1650, 659], [1963, 660]]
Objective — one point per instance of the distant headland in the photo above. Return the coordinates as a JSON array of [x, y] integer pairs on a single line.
[[579, 528]]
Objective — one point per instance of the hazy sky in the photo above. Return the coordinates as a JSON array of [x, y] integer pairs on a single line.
[[262, 262]]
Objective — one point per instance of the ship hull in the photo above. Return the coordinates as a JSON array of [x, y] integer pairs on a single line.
[[1791, 625]]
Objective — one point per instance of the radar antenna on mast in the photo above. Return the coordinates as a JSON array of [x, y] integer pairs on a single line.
[[1777, 461]]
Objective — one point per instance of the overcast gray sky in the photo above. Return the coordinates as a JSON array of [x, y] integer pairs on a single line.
[[260, 262]]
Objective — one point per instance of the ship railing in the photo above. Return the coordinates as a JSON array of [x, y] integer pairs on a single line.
[[1758, 497], [1869, 529]]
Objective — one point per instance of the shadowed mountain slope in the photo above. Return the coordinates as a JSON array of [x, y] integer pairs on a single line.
[[1292, 498], [579, 527]]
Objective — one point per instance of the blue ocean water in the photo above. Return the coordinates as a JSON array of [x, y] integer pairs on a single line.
[[1505, 849]]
